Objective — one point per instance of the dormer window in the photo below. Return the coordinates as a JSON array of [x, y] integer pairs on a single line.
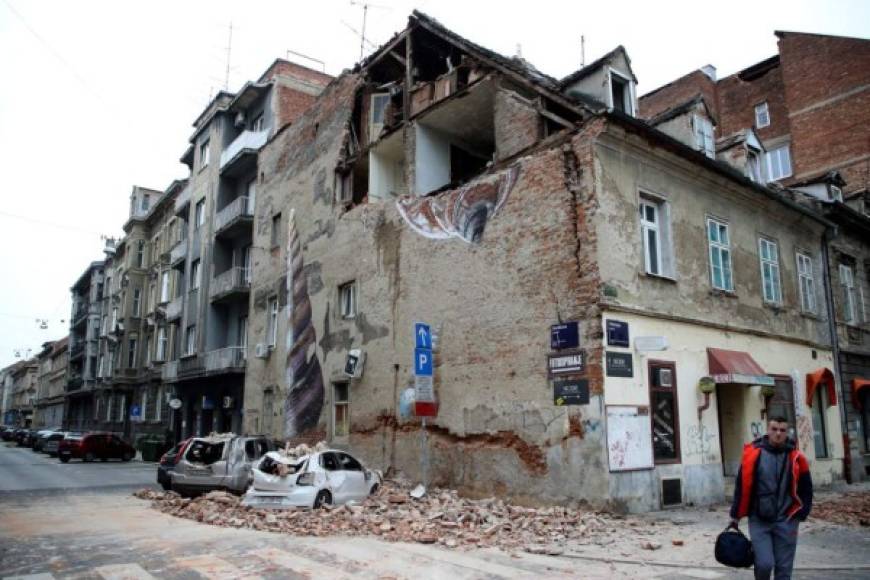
[[621, 93], [836, 194], [704, 136]]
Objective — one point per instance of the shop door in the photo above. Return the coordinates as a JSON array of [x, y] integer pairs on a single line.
[[730, 400]]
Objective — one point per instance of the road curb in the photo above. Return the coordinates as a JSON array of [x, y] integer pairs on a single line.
[[686, 565]]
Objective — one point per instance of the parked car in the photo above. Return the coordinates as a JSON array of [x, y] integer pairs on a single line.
[[324, 477], [24, 437], [52, 442], [167, 464], [6, 432], [217, 462], [91, 446], [40, 438]]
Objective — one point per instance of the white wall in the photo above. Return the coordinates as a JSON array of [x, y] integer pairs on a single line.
[[432, 161]]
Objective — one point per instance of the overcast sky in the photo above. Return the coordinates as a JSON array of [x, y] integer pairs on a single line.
[[98, 96]]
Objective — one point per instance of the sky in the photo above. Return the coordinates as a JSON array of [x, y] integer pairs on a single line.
[[100, 95]]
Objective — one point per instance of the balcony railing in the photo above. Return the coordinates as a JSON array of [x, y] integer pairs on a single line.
[[81, 314], [234, 280], [225, 359], [174, 308], [247, 142], [241, 207], [178, 252], [77, 350], [169, 372]]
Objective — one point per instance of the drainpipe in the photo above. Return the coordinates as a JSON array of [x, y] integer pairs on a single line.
[[830, 234]]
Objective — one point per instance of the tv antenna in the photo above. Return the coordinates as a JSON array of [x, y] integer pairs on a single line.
[[365, 7], [229, 53]]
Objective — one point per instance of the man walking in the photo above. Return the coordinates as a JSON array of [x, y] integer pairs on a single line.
[[775, 490]]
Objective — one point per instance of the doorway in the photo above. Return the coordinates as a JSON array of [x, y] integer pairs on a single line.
[[731, 403]]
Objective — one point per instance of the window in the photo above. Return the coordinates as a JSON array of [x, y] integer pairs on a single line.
[[347, 299], [806, 285], [158, 404], [379, 102], [340, 410], [665, 415], [162, 342], [203, 153], [246, 264], [272, 328], [258, 123], [199, 214], [195, 275], [137, 302], [148, 350], [620, 93], [143, 411], [704, 135], [108, 287], [164, 287], [770, 283], [847, 286], [720, 255], [819, 432], [778, 163], [152, 294], [242, 339], [656, 237], [190, 340], [145, 202], [276, 230], [140, 253], [114, 326], [109, 400], [122, 408], [762, 115], [131, 353], [754, 166], [251, 193], [100, 367]]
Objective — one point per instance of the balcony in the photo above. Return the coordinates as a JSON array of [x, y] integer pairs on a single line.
[[178, 253], [174, 308], [77, 351], [235, 217], [74, 382], [241, 155], [80, 316], [169, 372], [182, 202], [232, 284], [222, 360]]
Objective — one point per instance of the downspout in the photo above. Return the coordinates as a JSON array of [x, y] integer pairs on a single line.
[[829, 234]]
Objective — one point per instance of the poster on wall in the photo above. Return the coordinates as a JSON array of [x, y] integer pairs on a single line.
[[629, 438]]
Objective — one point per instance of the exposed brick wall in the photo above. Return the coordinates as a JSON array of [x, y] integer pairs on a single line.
[[677, 92], [815, 69], [517, 124], [290, 105], [737, 100], [291, 69]]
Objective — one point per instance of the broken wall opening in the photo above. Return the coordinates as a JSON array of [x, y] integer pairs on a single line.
[[387, 167]]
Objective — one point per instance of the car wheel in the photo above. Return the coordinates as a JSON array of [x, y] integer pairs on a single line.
[[64, 459], [88, 457], [323, 498], [127, 456], [374, 489]]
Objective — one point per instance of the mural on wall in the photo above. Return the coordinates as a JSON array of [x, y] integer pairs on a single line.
[[304, 379], [462, 212]]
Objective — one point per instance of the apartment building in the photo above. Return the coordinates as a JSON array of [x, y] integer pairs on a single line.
[[20, 391], [51, 380], [442, 183], [87, 308], [212, 256], [793, 121]]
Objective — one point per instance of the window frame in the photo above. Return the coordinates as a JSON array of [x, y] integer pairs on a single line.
[[645, 228], [190, 340], [350, 289], [672, 390], [195, 274], [721, 247], [345, 403], [276, 230], [199, 214], [707, 144], [161, 344], [137, 302], [776, 153], [850, 314], [629, 94], [773, 265], [132, 344], [272, 321], [204, 154], [806, 275], [762, 108], [819, 403]]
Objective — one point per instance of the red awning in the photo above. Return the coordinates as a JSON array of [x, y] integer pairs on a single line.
[[735, 366], [818, 377], [857, 385]]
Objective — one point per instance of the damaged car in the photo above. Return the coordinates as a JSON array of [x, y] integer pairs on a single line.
[[282, 479], [217, 462]]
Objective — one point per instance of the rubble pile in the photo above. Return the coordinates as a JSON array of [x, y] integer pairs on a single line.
[[850, 509], [440, 517]]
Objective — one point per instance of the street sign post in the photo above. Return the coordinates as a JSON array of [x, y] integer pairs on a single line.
[[424, 390]]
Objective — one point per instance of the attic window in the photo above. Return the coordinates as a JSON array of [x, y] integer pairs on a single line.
[[704, 135], [621, 93]]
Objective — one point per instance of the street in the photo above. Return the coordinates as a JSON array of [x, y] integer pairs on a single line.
[[80, 521]]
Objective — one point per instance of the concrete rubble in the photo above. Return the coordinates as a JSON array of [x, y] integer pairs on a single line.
[[439, 517], [850, 509]]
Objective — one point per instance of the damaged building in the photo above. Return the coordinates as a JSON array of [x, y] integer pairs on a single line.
[[439, 182]]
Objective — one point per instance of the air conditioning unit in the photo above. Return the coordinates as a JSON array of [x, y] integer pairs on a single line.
[[353, 366], [262, 350]]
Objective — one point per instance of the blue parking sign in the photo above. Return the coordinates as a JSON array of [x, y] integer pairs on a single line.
[[422, 335], [423, 362]]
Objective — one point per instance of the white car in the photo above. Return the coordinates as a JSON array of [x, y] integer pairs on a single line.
[[323, 477]]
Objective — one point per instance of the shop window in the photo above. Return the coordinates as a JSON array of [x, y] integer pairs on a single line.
[[820, 438], [664, 412], [340, 410]]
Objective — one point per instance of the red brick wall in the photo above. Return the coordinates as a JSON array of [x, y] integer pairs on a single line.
[[291, 69], [816, 69], [678, 92], [737, 100], [290, 105], [517, 124]]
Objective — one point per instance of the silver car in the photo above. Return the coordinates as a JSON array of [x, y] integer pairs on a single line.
[[218, 462]]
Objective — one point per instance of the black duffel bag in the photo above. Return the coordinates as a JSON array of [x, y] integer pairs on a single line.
[[734, 549]]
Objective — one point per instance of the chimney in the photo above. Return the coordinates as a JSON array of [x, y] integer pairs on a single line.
[[710, 71]]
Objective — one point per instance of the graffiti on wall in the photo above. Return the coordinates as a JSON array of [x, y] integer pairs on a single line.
[[699, 440], [304, 379], [804, 432], [757, 429], [462, 212]]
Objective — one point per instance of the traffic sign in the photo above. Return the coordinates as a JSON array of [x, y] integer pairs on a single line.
[[422, 335], [423, 362], [423, 389], [135, 411]]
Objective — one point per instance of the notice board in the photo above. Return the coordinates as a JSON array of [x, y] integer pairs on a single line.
[[629, 438]]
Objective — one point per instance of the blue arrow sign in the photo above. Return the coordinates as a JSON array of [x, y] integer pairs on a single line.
[[422, 335], [135, 410], [423, 362]]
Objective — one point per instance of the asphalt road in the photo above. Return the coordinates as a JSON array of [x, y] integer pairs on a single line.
[[23, 471]]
